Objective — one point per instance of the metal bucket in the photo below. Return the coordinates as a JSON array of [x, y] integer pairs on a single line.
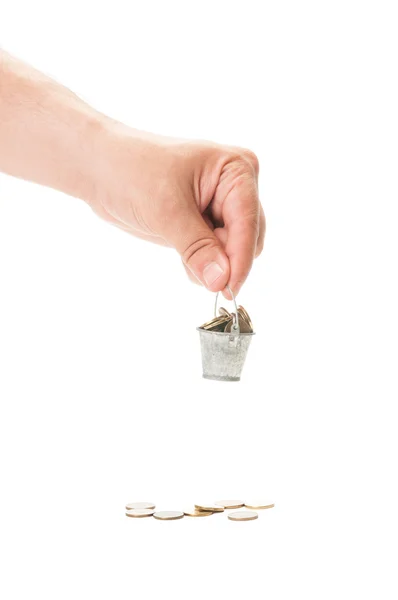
[[224, 354]]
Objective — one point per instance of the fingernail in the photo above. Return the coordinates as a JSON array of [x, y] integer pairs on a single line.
[[212, 272]]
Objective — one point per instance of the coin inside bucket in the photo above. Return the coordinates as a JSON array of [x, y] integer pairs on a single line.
[[244, 327]]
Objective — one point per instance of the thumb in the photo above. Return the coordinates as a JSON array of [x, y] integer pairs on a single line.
[[201, 251]]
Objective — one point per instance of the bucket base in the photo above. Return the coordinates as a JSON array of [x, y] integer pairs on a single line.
[[221, 378]]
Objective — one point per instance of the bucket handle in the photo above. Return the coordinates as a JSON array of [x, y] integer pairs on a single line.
[[235, 325]]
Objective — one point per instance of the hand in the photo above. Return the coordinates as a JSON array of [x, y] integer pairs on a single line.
[[198, 197]]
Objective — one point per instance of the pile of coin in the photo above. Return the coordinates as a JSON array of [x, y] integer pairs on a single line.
[[225, 322], [204, 509]]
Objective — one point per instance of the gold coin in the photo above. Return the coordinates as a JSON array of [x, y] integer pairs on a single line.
[[224, 312], [213, 323], [245, 315], [243, 515], [209, 507], [194, 512], [243, 326], [230, 503], [209, 323], [216, 324], [220, 326], [259, 505], [168, 515], [133, 505], [139, 512]]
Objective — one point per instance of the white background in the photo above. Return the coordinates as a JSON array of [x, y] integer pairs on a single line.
[[101, 396]]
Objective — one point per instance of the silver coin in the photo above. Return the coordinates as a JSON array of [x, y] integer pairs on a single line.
[[230, 503], [243, 515], [137, 513], [168, 515], [133, 505]]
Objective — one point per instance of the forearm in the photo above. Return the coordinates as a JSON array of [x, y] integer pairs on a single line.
[[47, 134]]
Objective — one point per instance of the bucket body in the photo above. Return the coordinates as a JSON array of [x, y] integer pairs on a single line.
[[223, 354]]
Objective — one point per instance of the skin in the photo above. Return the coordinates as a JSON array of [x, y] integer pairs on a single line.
[[198, 197]]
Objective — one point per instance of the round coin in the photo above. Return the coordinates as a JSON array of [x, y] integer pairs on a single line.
[[209, 507], [243, 515], [213, 323], [259, 505], [244, 314], [230, 503], [194, 512], [137, 513], [244, 326], [133, 505], [168, 515]]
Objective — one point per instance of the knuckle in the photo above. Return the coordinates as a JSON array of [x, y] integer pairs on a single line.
[[195, 247], [250, 221], [252, 230], [252, 159], [242, 173]]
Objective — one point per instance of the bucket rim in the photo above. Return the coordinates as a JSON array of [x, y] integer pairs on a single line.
[[221, 333]]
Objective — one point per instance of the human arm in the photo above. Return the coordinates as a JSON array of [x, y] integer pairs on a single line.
[[198, 197]]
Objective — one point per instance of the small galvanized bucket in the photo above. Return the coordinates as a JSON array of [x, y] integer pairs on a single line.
[[224, 354]]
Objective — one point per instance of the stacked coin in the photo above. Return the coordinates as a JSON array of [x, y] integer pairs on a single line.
[[225, 322], [209, 507], [202, 509], [140, 509]]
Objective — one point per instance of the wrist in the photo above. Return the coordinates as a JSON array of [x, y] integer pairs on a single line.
[[122, 159], [82, 174]]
